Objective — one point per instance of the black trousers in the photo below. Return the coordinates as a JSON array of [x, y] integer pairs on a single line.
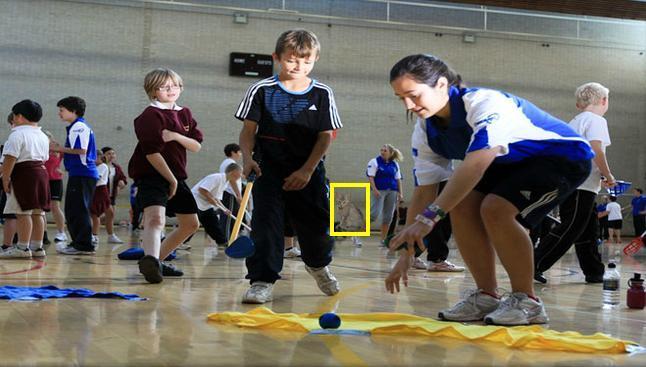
[[579, 227], [211, 223], [226, 223], [78, 199], [309, 214], [639, 223]]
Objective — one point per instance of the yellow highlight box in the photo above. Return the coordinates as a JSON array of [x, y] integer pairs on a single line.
[[366, 188]]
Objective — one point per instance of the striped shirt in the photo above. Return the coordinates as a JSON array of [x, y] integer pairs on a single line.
[[288, 121]]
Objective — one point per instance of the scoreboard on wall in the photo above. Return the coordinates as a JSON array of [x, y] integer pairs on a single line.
[[252, 65]]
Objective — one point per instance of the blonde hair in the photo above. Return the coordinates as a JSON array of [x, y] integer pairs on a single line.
[[301, 42], [590, 94], [157, 78], [395, 154]]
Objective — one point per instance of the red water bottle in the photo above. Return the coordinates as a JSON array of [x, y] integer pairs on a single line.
[[636, 294]]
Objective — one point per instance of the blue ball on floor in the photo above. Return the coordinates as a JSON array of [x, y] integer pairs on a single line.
[[330, 320]]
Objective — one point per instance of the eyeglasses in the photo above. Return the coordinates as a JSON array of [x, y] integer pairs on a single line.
[[169, 88]]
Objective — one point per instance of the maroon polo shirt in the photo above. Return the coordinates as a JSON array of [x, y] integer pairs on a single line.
[[148, 128]]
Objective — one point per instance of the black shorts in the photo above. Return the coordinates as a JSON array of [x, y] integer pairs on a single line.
[[535, 185], [615, 224], [154, 191], [56, 190]]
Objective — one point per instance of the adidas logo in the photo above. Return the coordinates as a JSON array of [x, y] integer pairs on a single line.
[[313, 108]]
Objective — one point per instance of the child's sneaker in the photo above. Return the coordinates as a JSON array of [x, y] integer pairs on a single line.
[[325, 280], [169, 270], [445, 266], [150, 268], [60, 237], [258, 293], [517, 309], [419, 264], [69, 250], [39, 252], [114, 239], [184, 246], [95, 240], [357, 241], [474, 306], [292, 252], [15, 252]]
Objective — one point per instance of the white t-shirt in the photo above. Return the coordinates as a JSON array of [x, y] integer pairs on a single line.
[[614, 211], [104, 171], [215, 184], [429, 167], [223, 167], [592, 127], [27, 143]]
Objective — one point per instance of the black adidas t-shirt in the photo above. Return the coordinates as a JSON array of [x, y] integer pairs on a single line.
[[288, 122]]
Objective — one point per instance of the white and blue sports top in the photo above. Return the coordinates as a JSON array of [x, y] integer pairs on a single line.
[[486, 118]]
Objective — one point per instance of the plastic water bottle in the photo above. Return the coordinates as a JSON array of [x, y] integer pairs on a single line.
[[611, 284]]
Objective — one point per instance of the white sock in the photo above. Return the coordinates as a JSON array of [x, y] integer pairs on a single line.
[[35, 245], [22, 246]]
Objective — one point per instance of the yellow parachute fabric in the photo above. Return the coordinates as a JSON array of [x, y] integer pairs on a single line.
[[397, 324]]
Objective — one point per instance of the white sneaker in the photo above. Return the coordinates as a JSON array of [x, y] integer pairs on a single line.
[[258, 293], [39, 252], [517, 309], [184, 246], [445, 266], [95, 240], [474, 306], [357, 241], [60, 237], [69, 250], [14, 252], [114, 239], [325, 280], [419, 264], [292, 252]]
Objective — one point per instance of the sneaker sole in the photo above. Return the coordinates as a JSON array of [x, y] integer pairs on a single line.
[[151, 272], [445, 270], [533, 321], [255, 302], [443, 318]]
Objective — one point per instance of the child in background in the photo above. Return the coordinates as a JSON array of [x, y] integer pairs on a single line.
[[165, 131], [208, 194], [25, 180], [117, 180], [288, 124], [79, 160], [135, 211], [8, 220], [615, 219], [56, 191], [101, 199]]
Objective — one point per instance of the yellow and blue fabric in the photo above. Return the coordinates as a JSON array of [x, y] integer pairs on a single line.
[[398, 324], [51, 291]]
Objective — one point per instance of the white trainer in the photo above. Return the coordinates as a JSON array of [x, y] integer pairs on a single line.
[[325, 280], [258, 293], [419, 264], [517, 309], [474, 306], [292, 252], [357, 241], [60, 237], [39, 252], [114, 239], [95, 240], [15, 252], [445, 266]]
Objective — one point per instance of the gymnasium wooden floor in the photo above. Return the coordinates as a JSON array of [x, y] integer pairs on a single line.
[[170, 329]]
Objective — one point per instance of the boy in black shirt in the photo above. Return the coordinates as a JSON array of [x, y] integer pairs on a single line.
[[288, 124]]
